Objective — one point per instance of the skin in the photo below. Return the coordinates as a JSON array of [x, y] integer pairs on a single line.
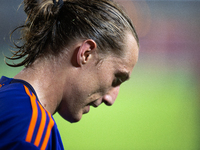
[[79, 79]]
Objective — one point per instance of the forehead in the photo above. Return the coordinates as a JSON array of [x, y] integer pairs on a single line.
[[130, 53], [131, 49], [127, 61]]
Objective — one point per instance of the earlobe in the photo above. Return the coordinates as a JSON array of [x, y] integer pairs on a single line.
[[85, 51]]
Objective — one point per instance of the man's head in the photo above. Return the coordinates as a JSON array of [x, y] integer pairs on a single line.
[[94, 79], [97, 40]]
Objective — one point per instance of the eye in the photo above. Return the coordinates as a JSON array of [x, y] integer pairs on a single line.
[[119, 78], [117, 82]]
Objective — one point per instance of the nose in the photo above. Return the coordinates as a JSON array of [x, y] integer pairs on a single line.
[[111, 96]]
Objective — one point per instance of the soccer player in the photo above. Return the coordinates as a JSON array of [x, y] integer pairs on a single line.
[[76, 54]]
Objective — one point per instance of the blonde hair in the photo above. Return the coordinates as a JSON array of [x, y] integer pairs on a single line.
[[49, 28]]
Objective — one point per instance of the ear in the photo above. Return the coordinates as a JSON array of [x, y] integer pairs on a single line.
[[85, 51]]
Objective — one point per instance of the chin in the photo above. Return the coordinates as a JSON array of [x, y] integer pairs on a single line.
[[72, 118]]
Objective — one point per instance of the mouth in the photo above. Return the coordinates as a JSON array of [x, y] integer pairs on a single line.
[[87, 109], [94, 104]]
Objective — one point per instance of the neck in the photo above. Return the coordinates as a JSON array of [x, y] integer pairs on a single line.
[[46, 79]]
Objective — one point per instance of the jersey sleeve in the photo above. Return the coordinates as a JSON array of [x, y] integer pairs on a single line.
[[15, 114], [24, 123]]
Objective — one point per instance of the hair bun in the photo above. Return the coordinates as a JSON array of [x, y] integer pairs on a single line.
[[42, 9]]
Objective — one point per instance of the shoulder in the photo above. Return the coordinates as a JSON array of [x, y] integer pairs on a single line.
[[42, 131], [14, 100], [15, 112], [23, 118]]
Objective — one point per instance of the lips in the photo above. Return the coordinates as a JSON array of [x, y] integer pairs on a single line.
[[87, 109], [94, 105]]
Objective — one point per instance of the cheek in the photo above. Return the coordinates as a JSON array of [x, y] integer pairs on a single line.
[[106, 82]]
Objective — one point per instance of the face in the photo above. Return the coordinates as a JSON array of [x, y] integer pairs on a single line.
[[98, 83]]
